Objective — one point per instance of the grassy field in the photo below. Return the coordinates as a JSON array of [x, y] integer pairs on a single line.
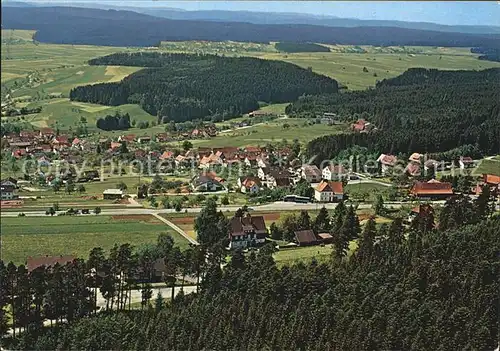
[[306, 254], [68, 113], [345, 62], [274, 131], [36, 73], [491, 166], [77, 235]]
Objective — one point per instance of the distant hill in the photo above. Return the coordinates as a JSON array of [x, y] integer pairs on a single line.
[[276, 18], [71, 25]]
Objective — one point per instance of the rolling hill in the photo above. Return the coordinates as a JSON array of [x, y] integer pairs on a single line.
[[72, 25], [274, 18]]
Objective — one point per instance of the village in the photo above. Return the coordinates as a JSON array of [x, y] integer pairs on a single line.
[[181, 178]]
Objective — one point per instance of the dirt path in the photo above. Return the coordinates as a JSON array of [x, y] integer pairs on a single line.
[[176, 228]]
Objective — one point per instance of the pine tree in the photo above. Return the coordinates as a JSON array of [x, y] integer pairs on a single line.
[[159, 302], [304, 221], [367, 239], [322, 221]]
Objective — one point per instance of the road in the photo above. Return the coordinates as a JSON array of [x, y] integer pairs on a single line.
[[275, 206]]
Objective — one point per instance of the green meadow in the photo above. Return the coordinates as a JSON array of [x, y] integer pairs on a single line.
[[36, 73], [77, 235]]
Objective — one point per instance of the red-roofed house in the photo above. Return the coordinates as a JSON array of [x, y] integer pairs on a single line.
[[361, 126], [328, 191], [387, 162], [115, 146], [47, 261], [249, 184], [413, 169], [129, 138], [432, 189], [167, 155]]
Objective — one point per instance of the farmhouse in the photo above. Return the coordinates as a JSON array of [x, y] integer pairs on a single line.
[[205, 183], [7, 192], [247, 231], [112, 194], [432, 189], [328, 191]]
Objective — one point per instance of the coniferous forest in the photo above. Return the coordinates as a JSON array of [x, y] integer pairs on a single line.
[[431, 285], [184, 87], [421, 110]]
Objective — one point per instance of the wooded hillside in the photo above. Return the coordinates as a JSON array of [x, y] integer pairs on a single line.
[[184, 87], [419, 111], [72, 25], [436, 288]]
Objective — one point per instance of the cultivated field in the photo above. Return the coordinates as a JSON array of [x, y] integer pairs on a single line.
[[269, 132], [42, 74], [77, 235]]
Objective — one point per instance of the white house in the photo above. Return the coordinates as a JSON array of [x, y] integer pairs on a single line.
[[7, 192], [247, 231], [466, 162], [328, 191], [334, 172]]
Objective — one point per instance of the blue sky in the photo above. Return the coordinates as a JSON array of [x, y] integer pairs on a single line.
[[444, 12]]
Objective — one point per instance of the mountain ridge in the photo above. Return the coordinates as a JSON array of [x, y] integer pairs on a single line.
[[258, 17]]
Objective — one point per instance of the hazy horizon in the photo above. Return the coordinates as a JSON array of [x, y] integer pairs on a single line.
[[447, 13]]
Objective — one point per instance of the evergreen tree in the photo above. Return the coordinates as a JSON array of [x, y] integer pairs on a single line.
[[322, 221]]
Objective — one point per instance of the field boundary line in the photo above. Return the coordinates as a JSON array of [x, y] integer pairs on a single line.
[[176, 228]]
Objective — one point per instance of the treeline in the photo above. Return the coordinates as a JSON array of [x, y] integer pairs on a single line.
[[66, 293], [423, 111], [400, 289], [433, 77], [186, 87], [72, 25], [116, 122], [300, 47], [490, 54]]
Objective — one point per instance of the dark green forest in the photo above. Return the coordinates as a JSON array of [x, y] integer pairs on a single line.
[[77, 25], [490, 54], [183, 87], [422, 110], [432, 285], [300, 47]]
